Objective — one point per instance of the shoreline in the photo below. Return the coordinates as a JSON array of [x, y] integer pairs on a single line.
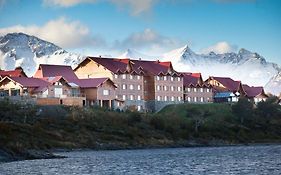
[[7, 156]]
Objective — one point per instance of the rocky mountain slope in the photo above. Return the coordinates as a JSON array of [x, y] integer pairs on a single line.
[[19, 49], [249, 67]]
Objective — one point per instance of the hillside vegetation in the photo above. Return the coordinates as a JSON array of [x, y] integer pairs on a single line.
[[46, 127]]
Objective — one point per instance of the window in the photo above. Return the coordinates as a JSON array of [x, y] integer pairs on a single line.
[[201, 89], [139, 87], [138, 77], [172, 78], [165, 98], [158, 88], [115, 76], [188, 99], [124, 97], [165, 78], [158, 98], [179, 98], [172, 98], [165, 88], [131, 77], [172, 88], [179, 78], [188, 89], [105, 92], [131, 97], [139, 108], [123, 86], [158, 78], [195, 99], [139, 97], [131, 87], [179, 88], [202, 99], [124, 76], [195, 89], [208, 90]]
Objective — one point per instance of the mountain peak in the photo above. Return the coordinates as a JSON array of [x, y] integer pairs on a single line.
[[21, 42], [244, 51]]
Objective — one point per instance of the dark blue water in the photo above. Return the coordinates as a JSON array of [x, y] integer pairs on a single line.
[[211, 160]]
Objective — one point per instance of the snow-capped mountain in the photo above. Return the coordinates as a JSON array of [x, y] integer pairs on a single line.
[[19, 49], [132, 53], [274, 85], [249, 67]]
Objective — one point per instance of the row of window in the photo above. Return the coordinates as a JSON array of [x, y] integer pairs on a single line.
[[128, 76], [168, 78], [167, 88], [198, 99], [131, 97], [198, 90], [131, 87], [166, 98]]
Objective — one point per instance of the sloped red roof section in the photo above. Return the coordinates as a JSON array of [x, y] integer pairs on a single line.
[[111, 64], [228, 83], [252, 91], [139, 66], [91, 82], [13, 73], [46, 70], [191, 79], [30, 82]]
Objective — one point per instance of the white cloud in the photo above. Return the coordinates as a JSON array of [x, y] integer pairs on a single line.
[[136, 7], [220, 48], [66, 3], [148, 40], [64, 33]]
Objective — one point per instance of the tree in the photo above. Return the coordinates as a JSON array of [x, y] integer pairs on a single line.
[[243, 109], [269, 108]]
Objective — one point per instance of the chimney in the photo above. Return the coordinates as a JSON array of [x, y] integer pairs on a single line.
[[139, 59]]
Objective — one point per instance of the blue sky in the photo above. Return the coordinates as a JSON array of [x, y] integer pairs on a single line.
[[149, 26]]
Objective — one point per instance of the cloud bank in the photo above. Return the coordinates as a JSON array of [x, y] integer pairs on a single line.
[[148, 40]]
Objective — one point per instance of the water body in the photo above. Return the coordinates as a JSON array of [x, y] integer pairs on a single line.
[[204, 160]]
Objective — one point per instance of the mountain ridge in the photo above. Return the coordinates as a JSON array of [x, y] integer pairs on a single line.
[[26, 51], [19, 49]]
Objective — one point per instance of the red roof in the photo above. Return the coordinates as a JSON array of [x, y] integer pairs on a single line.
[[12, 73], [191, 79], [229, 83], [116, 65], [30, 82], [252, 91], [91, 82], [46, 70], [36, 83]]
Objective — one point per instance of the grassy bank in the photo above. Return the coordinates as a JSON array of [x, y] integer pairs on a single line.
[[45, 127]]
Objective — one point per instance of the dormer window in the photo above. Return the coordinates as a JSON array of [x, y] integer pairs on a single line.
[[158, 78], [124, 76]]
